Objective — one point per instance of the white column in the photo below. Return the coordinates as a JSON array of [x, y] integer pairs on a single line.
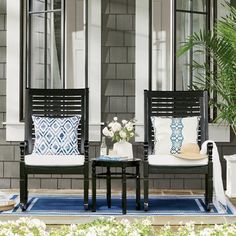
[[94, 69], [141, 67], [14, 128]]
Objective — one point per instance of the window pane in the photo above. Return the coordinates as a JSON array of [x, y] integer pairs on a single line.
[[54, 4], [183, 4], [54, 50], [191, 5], [37, 5], [199, 5], [36, 59], [199, 57], [184, 74], [182, 32], [199, 22]]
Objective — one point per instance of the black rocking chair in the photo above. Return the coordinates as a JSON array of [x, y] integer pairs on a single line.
[[54, 103], [177, 104]]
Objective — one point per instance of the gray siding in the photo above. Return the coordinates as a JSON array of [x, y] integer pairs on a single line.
[[118, 59]]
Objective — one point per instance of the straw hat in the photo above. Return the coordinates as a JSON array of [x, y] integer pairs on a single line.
[[190, 151], [7, 205]]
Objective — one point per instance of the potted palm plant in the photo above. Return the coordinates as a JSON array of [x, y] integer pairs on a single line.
[[220, 46]]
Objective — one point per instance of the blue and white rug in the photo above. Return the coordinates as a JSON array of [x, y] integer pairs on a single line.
[[158, 205]]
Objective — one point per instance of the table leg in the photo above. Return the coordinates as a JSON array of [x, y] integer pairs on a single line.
[[137, 188], [93, 187], [124, 207], [109, 187]]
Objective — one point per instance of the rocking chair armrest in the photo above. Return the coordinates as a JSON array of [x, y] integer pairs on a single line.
[[86, 150], [23, 150]]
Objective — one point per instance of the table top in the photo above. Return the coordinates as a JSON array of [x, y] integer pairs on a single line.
[[115, 161]]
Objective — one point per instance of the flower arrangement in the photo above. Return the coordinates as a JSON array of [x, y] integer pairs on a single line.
[[119, 131]]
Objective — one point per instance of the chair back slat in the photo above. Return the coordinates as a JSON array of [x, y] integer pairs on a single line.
[[57, 103], [176, 104]]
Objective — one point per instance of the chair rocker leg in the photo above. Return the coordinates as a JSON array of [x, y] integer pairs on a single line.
[[86, 193], [24, 193], [209, 194], [209, 207], [206, 189], [146, 183]]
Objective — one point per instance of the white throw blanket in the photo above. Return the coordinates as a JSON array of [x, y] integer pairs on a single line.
[[3, 198], [219, 198]]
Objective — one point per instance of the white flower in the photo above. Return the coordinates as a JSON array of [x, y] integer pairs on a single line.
[[116, 127], [124, 122], [111, 134], [122, 134], [110, 124], [129, 126], [106, 132], [206, 232]]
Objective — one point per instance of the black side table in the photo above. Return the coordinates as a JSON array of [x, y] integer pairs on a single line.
[[108, 175]]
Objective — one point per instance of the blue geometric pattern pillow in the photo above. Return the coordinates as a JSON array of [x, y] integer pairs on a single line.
[[171, 133], [56, 136]]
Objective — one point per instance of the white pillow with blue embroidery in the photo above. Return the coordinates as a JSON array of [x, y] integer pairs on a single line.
[[171, 133], [56, 136]]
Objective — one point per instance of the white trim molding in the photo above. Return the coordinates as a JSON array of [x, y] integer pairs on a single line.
[[94, 69], [14, 129], [230, 175], [219, 132], [141, 66]]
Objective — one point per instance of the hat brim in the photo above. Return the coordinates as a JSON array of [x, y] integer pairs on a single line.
[[7, 206], [191, 156]]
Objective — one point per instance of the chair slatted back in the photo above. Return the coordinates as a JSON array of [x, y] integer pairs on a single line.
[[56, 103], [176, 104]]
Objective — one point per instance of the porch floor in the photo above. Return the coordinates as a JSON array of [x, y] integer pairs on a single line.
[[157, 220]]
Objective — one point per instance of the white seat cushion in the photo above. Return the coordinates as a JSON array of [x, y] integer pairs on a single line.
[[170, 160], [54, 160]]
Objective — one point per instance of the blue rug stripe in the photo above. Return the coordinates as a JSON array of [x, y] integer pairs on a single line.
[[73, 205]]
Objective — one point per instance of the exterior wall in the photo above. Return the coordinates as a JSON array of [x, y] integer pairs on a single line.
[[118, 59], [9, 151]]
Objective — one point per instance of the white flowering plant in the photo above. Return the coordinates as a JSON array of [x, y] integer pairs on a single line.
[[118, 131], [107, 227], [23, 227], [111, 226], [190, 229]]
